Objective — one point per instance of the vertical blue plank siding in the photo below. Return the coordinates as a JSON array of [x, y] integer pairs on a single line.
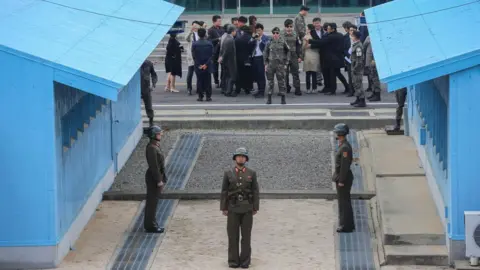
[[463, 170], [27, 156], [126, 113], [431, 101], [85, 161]]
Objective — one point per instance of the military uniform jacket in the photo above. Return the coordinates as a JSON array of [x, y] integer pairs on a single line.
[[300, 26], [343, 161], [147, 71], [240, 192], [156, 162], [357, 58], [294, 44], [276, 52]]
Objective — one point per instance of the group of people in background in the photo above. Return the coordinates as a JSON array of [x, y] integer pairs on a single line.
[[239, 55]]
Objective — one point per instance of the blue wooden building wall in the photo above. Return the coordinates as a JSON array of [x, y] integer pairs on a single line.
[[27, 167], [464, 115], [428, 114], [84, 151]]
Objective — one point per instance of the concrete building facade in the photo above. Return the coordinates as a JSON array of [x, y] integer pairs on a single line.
[[439, 62], [71, 117]]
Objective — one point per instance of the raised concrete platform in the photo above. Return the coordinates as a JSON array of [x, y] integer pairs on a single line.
[[407, 212], [274, 117], [411, 231], [326, 194]]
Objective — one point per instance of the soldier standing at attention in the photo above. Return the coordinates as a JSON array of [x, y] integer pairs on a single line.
[[239, 202], [147, 71], [357, 70], [400, 97], [343, 178], [291, 38], [276, 57], [300, 24], [155, 179]]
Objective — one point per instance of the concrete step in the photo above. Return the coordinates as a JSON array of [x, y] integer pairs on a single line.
[[416, 255], [465, 265], [407, 212]]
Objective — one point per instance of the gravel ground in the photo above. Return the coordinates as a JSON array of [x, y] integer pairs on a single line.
[[299, 160], [132, 176], [283, 159]]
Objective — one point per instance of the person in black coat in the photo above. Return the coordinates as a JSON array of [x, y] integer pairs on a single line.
[[202, 53], [346, 52], [245, 46], [332, 46], [215, 33], [173, 62]]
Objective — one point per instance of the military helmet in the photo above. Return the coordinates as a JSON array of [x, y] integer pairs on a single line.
[[154, 130], [341, 129], [242, 151]]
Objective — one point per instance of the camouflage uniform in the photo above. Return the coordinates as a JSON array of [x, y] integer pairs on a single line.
[[295, 53], [357, 69], [373, 73], [300, 26], [276, 57]]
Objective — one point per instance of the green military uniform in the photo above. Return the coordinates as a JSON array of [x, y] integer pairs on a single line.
[[276, 57], [400, 97], [343, 175], [300, 26], [154, 175], [295, 53], [240, 197], [357, 65]]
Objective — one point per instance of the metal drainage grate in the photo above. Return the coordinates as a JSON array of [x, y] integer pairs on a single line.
[[139, 246], [356, 252]]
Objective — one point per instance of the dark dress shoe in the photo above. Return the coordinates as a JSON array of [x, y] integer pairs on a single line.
[[345, 230], [244, 266], [330, 94], [232, 265], [155, 230], [209, 99], [199, 99]]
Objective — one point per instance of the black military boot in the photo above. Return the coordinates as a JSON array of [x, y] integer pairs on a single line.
[[298, 92], [283, 100], [375, 97], [397, 125], [361, 103], [355, 102], [150, 121], [269, 99]]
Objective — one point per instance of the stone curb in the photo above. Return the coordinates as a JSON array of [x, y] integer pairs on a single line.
[[325, 194], [255, 124]]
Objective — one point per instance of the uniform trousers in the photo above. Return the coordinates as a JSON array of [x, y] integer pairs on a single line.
[[345, 210], [400, 97], [239, 223], [151, 202], [146, 95]]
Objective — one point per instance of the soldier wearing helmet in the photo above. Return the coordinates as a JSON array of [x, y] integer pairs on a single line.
[[343, 178], [155, 179], [239, 202]]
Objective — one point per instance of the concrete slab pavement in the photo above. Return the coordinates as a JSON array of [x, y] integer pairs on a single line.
[[99, 239], [293, 234]]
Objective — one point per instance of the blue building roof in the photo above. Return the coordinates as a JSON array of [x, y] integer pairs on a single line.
[[101, 41], [418, 40]]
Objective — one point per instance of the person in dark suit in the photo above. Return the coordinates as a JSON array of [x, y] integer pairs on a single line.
[[245, 46], [346, 53], [332, 47], [317, 34], [214, 35], [228, 59], [202, 53], [258, 65]]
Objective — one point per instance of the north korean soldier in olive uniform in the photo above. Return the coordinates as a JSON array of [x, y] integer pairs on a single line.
[[147, 71], [343, 178], [357, 66], [295, 45], [276, 57], [400, 97], [155, 179], [239, 202]]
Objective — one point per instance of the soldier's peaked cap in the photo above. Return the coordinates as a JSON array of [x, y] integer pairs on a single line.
[[341, 129], [276, 29], [241, 151], [154, 130], [302, 8]]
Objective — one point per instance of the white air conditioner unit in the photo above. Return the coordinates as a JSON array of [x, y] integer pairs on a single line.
[[472, 233]]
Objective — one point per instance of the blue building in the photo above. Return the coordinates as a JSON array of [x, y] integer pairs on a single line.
[[70, 110], [429, 47]]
